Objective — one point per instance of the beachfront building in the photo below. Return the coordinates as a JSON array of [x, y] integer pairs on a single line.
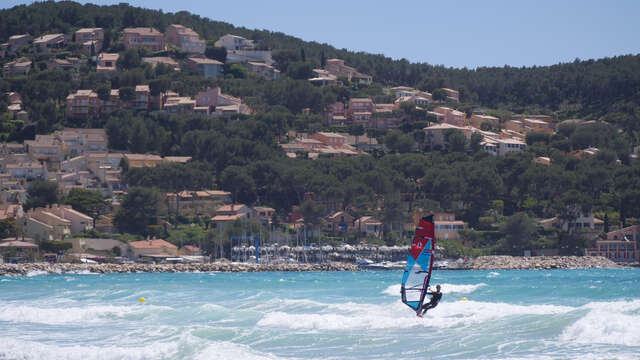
[[339, 221], [184, 38], [155, 249], [616, 250], [368, 225], [147, 37], [17, 249], [619, 245], [447, 227], [95, 247]]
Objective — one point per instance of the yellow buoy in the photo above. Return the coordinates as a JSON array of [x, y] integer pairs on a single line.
[[142, 300], [464, 299]]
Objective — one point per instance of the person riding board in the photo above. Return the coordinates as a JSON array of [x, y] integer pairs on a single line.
[[435, 298]]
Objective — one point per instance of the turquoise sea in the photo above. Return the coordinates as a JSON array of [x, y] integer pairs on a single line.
[[572, 314]]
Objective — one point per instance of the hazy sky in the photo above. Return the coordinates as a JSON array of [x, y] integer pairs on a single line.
[[451, 32]]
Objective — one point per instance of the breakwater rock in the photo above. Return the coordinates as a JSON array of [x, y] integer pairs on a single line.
[[538, 262], [64, 268]]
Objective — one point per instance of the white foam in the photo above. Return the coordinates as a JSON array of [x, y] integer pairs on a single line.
[[615, 323], [397, 315], [227, 350], [394, 290], [19, 349], [37, 273], [67, 315]]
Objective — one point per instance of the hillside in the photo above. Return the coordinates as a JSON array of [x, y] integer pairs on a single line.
[[269, 142], [594, 88]]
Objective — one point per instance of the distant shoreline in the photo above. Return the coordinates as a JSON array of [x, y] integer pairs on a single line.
[[478, 263]]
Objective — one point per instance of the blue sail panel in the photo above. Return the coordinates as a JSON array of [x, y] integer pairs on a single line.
[[417, 273]]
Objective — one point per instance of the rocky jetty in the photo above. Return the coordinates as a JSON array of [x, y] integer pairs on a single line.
[[64, 268], [537, 262]]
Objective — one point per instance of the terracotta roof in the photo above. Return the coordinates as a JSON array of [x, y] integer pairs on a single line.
[[18, 244], [204, 61], [227, 217], [142, 31], [152, 244]]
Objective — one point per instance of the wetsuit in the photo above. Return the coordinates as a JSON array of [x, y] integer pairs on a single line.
[[435, 298]]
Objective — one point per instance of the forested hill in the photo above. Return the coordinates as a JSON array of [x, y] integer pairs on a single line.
[[591, 88]]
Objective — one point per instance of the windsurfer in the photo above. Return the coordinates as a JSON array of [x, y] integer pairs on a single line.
[[435, 299]]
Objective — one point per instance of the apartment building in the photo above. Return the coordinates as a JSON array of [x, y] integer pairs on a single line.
[[208, 68], [29, 170], [264, 70], [147, 37], [234, 42], [153, 248], [165, 60], [447, 227], [335, 114], [90, 37], [82, 104], [44, 148], [49, 43], [477, 120], [113, 103], [18, 41], [338, 68], [184, 38], [180, 105], [17, 67], [227, 214], [142, 97], [451, 116], [107, 62], [452, 95]]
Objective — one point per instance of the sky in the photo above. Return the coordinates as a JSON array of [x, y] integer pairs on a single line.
[[454, 33]]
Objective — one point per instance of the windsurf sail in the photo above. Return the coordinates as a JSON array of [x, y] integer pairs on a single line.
[[417, 274]]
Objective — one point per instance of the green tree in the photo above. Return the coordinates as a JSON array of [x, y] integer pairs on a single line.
[[127, 93], [89, 202], [216, 53], [439, 95], [300, 70], [41, 193], [138, 211], [237, 180], [312, 214], [456, 141], [519, 231], [475, 142]]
